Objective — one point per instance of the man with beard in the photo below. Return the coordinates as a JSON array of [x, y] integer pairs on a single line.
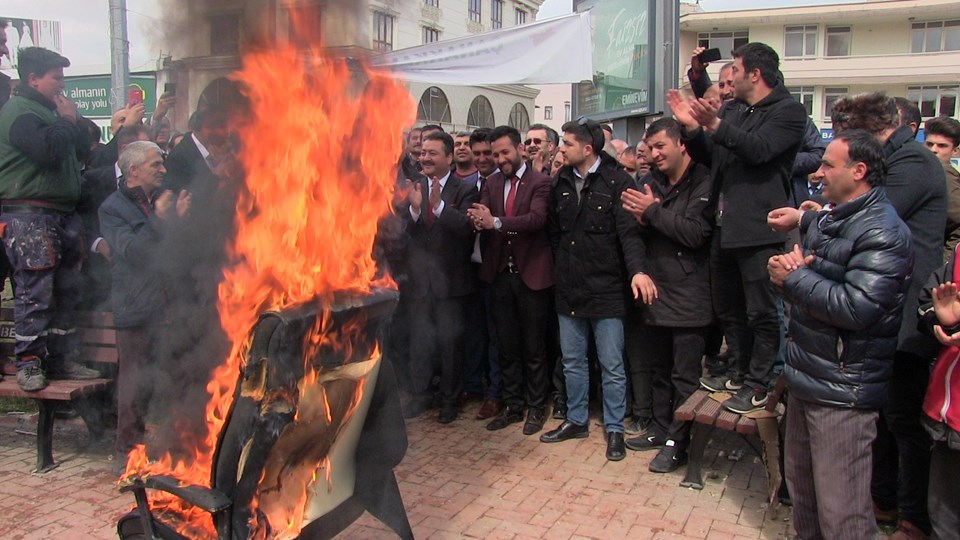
[[463, 158], [671, 208], [751, 151], [519, 265], [598, 262], [440, 241]]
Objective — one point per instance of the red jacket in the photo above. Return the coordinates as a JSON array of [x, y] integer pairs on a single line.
[[942, 402]]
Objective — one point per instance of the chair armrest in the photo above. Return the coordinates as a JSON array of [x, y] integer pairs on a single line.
[[208, 499]]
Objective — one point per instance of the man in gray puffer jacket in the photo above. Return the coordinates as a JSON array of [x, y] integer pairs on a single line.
[[847, 287]]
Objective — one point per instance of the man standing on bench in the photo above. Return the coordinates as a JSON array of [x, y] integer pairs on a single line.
[[847, 287], [39, 190]]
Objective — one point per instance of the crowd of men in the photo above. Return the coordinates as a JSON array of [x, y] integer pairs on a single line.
[[537, 270]]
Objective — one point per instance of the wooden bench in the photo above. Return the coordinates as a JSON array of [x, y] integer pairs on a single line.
[[98, 345], [706, 413]]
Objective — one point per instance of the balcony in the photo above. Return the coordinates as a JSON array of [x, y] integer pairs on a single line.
[[870, 69]]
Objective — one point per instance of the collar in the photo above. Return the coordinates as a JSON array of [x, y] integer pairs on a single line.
[[25, 91], [522, 170], [117, 172], [816, 187], [443, 181], [204, 153], [593, 169]]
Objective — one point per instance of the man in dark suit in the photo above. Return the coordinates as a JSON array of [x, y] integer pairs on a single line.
[[441, 240], [203, 156], [518, 262], [97, 185]]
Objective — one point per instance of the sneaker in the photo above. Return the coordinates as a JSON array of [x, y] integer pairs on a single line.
[[30, 377], [645, 442], [68, 369], [747, 400], [636, 426], [669, 459], [722, 383]]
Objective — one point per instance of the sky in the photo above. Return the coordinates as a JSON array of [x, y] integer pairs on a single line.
[[86, 34]]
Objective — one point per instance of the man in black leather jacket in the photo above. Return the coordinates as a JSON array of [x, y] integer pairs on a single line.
[[847, 287]]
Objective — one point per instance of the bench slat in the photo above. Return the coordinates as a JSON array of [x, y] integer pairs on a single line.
[[97, 353], [688, 409], [57, 390], [727, 420], [746, 426], [95, 319], [707, 414], [100, 336]]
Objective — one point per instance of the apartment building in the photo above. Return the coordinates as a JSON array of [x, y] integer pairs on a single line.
[[907, 48], [219, 30]]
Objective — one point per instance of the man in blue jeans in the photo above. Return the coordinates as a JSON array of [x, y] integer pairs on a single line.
[[599, 268]]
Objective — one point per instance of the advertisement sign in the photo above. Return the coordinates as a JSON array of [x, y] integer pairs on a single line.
[[622, 63], [92, 93], [22, 33]]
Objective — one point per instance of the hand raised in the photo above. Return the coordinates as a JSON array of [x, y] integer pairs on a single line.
[[946, 304]]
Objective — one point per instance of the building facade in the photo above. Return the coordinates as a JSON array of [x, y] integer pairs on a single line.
[[908, 48], [219, 31]]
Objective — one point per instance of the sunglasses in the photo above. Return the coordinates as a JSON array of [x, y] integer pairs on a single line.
[[537, 142]]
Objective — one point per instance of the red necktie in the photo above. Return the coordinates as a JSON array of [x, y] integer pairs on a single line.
[[512, 196], [430, 215]]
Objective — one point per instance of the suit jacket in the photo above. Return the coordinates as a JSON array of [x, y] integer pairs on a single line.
[[524, 233], [438, 255], [97, 185], [186, 167]]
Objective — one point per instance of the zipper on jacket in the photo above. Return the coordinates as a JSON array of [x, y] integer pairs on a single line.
[[946, 384]]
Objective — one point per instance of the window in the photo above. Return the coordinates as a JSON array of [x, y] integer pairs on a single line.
[[800, 41], [804, 95], [935, 36], [430, 35], [519, 118], [496, 14], [725, 41], [521, 17], [432, 3], [830, 97], [480, 114], [934, 100], [473, 9], [303, 24], [548, 112], [567, 113], [382, 31], [838, 41], [225, 34], [434, 107]]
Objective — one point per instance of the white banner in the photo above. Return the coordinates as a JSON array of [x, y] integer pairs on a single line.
[[551, 51]]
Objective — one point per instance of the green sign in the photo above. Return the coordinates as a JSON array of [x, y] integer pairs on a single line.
[[621, 59], [92, 94]]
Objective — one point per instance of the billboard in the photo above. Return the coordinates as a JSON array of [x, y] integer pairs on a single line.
[[22, 33], [622, 62]]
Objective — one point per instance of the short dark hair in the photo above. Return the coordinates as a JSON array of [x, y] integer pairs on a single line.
[[666, 125], [500, 132], [760, 56], [431, 127], [552, 135], [863, 146], [874, 112], [443, 137], [945, 127], [632, 150], [909, 112], [38, 61], [480, 135], [586, 132], [131, 133], [211, 117]]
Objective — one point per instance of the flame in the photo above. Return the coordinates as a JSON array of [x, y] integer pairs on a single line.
[[320, 166]]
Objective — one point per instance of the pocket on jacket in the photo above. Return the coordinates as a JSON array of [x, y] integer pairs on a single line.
[[598, 213]]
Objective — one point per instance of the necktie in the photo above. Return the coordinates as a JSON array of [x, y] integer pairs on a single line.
[[512, 196]]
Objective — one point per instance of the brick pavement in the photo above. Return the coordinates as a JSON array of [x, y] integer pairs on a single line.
[[457, 481]]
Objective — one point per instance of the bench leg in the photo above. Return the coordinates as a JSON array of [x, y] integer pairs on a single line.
[[699, 437], [45, 461]]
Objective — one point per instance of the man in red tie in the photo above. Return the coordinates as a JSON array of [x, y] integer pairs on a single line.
[[518, 262], [440, 243]]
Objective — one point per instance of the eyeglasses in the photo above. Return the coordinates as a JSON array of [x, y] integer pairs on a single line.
[[537, 142]]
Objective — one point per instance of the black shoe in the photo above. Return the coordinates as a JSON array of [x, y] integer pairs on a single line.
[[566, 431], [447, 415], [534, 421], [721, 383], [636, 426], [747, 400], [649, 441], [615, 447], [559, 412], [68, 369], [506, 417], [669, 459]]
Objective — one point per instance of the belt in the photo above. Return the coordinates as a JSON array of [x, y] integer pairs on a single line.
[[29, 209]]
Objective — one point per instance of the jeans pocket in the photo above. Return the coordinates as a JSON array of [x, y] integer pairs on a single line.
[[34, 241]]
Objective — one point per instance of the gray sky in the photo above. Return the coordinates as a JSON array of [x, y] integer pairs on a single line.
[[84, 26]]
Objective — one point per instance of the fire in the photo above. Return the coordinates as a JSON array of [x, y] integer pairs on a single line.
[[320, 165]]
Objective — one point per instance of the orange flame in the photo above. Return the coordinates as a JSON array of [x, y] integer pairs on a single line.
[[320, 166]]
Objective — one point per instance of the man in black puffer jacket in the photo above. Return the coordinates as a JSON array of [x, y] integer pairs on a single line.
[[847, 288]]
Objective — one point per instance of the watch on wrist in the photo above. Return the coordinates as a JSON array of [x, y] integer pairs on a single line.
[[497, 223]]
